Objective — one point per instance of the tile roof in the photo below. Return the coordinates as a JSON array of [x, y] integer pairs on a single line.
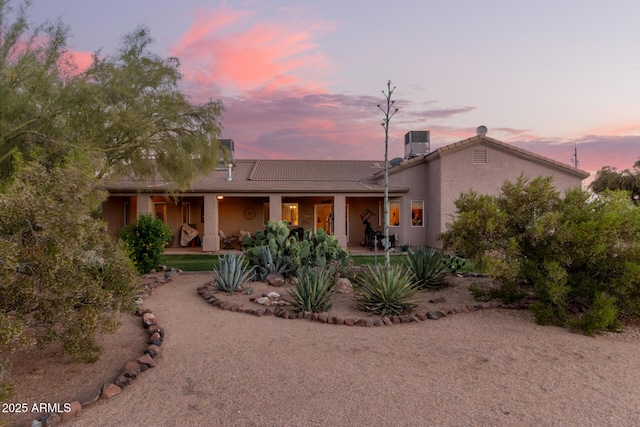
[[314, 170]]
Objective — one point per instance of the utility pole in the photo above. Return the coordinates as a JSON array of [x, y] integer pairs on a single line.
[[389, 112]]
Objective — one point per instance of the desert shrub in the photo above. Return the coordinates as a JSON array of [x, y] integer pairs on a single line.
[[145, 240], [62, 277], [313, 289], [385, 290], [427, 266], [232, 272], [567, 250], [602, 316]]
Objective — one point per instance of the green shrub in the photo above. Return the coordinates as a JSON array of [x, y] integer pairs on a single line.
[[62, 277], [313, 290], [145, 240], [232, 272], [602, 316], [568, 250], [385, 291], [427, 266]]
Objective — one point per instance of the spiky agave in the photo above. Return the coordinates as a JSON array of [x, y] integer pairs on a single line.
[[428, 266], [232, 272], [385, 290], [313, 290]]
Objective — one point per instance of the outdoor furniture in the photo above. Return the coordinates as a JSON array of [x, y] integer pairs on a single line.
[[188, 234], [226, 242]]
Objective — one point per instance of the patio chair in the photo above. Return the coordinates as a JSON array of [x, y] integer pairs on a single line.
[[225, 242]]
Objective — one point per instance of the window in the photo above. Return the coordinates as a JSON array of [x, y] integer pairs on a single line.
[[394, 213], [417, 213], [479, 156], [290, 213]]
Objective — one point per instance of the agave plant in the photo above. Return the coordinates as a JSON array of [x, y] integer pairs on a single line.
[[428, 267], [267, 263], [232, 272], [385, 290], [313, 290]]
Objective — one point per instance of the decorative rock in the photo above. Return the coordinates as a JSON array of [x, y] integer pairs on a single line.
[[441, 313], [155, 336], [414, 318], [361, 322], [267, 303], [268, 312], [300, 315], [421, 316], [156, 328], [52, 420], [307, 314], [110, 390], [259, 313], [337, 320], [323, 318], [343, 286], [149, 319], [143, 367], [485, 305], [273, 295], [378, 322], [146, 360], [262, 300], [275, 279], [132, 369], [432, 315], [314, 316], [405, 319], [438, 300], [122, 381], [75, 408], [387, 321], [154, 348], [349, 322], [234, 307], [395, 319], [171, 273]]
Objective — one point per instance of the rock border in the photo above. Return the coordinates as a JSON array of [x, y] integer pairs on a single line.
[[132, 368], [205, 291]]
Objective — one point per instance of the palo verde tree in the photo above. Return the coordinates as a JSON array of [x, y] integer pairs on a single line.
[[129, 109], [579, 254], [609, 178], [389, 111]]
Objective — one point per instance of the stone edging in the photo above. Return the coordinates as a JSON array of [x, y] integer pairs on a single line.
[[132, 368], [205, 292]]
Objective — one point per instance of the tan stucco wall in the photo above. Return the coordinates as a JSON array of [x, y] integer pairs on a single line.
[[459, 175], [413, 177]]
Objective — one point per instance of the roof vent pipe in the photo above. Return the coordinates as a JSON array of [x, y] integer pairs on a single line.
[[229, 178]]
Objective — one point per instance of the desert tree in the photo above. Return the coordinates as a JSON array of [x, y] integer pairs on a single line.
[[609, 178]]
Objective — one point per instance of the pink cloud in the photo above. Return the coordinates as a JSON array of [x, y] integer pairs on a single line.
[[229, 51]]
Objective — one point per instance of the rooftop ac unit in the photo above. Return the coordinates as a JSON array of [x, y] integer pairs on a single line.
[[416, 143]]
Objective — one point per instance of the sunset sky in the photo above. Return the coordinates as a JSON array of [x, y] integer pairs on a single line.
[[302, 79]]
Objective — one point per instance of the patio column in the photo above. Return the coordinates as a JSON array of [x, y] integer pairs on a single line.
[[143, 205], [211, 239], [340, 220], [275, 208]]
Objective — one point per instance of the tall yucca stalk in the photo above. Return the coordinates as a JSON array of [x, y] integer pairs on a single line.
[[385, 291], [313, 290], [232, 272], [427, 266]]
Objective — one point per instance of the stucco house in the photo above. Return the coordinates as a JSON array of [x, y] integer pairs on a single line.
[[340, 196]]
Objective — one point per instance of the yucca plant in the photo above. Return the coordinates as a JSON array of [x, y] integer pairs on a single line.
[[313, 290], [385, 290], [232, 272], [428, 267]]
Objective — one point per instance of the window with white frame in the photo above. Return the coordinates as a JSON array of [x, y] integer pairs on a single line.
[[417, 213]]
